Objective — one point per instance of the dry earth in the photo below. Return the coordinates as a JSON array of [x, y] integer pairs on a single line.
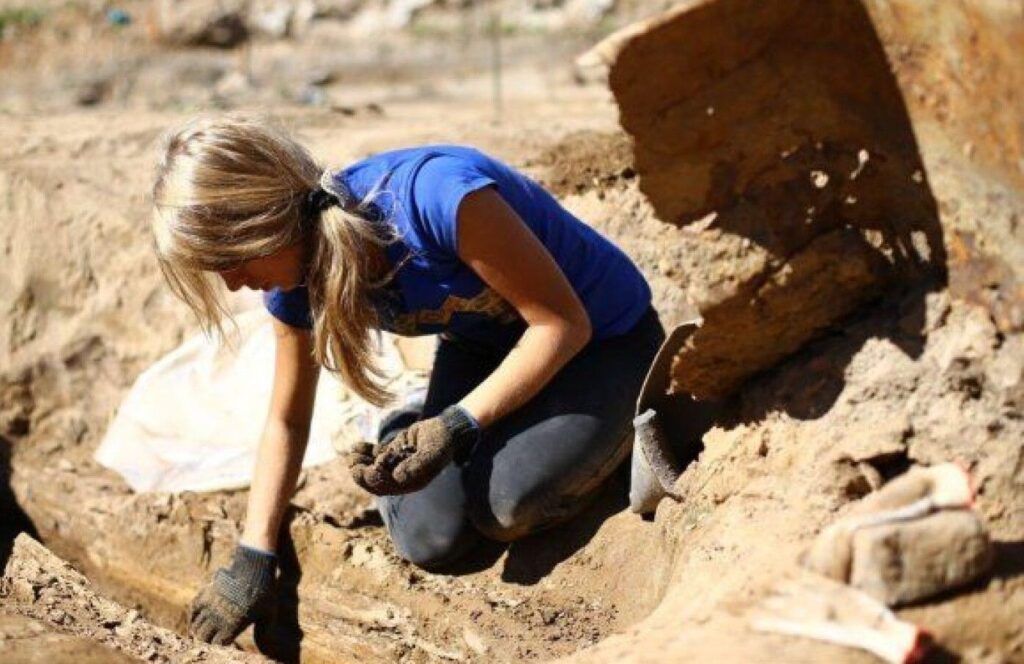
[[841, 344], [28, 641], [38, 584]]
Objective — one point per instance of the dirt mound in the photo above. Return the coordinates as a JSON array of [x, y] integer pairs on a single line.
[[585, 161]]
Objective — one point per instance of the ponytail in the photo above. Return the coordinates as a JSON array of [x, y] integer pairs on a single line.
[[345, 238]]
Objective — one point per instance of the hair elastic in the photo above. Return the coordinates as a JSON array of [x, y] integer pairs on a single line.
[[326, 195], [319, 200]]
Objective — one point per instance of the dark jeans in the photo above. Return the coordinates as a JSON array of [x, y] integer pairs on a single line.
[[536, 467]]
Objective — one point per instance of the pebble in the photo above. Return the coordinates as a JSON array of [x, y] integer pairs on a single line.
[[474, 641], [862, 160]]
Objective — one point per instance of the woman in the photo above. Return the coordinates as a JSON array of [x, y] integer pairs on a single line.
[[546, 331]]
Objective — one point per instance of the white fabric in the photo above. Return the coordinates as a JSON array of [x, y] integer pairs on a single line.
[[192, 421]]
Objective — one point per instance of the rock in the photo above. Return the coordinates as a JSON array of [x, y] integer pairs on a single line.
[[311, 95], [341, 10], [93, 92], [198, 23], [474, 641], [761, 324], [587, 12], [916, 537], [405, 10], [789, 116], [278, 19], [232, 85], [900, 563], [272, 19], [817, 608], [302, 17], [118, 17]]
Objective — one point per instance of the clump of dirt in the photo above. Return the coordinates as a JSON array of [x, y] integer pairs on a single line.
[[585, 161]]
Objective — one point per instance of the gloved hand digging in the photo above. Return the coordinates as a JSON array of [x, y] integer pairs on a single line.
[[237, 596], [415, 455]]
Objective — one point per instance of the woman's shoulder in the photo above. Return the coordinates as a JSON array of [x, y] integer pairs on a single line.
[[418, 189], [407, 161]]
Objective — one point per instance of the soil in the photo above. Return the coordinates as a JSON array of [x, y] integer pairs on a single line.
[[919, 370], [27, 641], [39, 585]]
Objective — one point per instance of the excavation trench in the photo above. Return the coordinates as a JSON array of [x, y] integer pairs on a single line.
[[843, 211], [345, 595]]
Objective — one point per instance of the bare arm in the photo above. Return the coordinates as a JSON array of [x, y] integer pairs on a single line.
[[495, 242], [284, 438]]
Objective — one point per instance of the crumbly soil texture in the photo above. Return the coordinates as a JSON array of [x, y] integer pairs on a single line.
[[848, 342]]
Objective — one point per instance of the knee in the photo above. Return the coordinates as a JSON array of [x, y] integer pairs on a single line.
[[430, 548], [425, 555], [502, 531], [509, 517], [507, 506]]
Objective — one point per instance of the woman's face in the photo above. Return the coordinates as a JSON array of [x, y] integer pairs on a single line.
[[283, 269]]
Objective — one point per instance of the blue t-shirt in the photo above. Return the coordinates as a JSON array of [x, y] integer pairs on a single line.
[[418, 192]]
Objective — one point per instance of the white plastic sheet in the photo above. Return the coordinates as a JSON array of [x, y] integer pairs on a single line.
[[192, 421]]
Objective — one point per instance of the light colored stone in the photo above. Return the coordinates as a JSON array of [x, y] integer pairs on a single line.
[[900, 563], [220, 23]]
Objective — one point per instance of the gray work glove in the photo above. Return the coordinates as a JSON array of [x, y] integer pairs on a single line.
[[236, 597], [415, 455]]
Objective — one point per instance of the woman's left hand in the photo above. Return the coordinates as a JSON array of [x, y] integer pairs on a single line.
[[410, 460]]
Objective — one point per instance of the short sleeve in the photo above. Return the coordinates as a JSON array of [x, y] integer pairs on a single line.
[[290, 307], [437, 191]]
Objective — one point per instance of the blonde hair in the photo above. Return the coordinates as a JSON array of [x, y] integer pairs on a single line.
[[231, 189]]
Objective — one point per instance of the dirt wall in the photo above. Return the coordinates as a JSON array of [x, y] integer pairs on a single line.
[[921, 361]]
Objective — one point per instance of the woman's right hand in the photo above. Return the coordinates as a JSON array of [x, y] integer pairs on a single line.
[[415, 455], [237, 596]]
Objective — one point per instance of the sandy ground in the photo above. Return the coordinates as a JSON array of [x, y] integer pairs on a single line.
[[917, 375]]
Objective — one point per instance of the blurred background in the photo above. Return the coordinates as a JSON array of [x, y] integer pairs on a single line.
[[345, 55]]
